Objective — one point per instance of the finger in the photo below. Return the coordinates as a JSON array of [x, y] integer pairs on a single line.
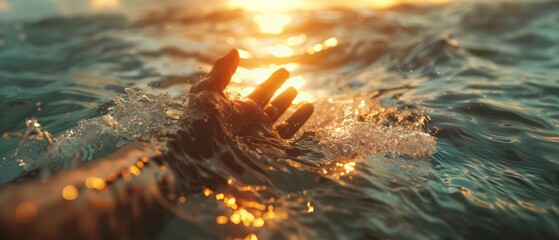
[[223, 69], [288, 128], [220, 75], [278, 106], [266, 90]]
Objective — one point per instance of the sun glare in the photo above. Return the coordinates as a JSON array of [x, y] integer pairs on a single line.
[[272, 23], [280, 50], [328, 43], [243, 53], [255, 76], [272, 17], [266, 5], [297, 40], [104, 4]]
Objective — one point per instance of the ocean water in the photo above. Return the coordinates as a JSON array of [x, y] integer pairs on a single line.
[[432, 121]]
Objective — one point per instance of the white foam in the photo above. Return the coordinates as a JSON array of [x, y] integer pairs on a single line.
[[352, 138]]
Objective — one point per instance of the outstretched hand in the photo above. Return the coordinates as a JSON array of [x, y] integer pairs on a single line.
[[255, 111]]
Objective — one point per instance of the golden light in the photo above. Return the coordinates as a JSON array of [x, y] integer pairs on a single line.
[[272, 23], [95, 183], [303, 97], [255, 205], [219, 196], [70, 192], [378, 4], [345, 168], [104, 4], [230, 202], [328, 43], [207, 192], [251, 236], [259, 222], [278, 6], [134, 170], [349, 167], [296, 82], [340, 169], [270, 214], [267, 5], [244, 74], [331, 42], [221, 220], [296, 40], [235, 218], [381, 4], [246, 91], [310, 207], [317, 47], [245, 212], [243, 53], [26, 212], [259, 75], [280, 50]]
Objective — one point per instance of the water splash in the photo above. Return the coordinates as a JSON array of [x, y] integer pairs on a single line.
[[361, 127], [353, 138], [33, 135], [132, 116], [34, 131]]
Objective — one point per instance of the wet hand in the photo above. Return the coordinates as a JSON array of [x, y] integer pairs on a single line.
[[258, 111]]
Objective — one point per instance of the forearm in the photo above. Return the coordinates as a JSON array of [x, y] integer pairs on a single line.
[[121, 196]]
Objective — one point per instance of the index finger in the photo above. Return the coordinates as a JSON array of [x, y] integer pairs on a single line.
[[264, 92]]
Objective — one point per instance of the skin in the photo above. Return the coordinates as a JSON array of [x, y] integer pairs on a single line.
[[136, 186], [264, 110]]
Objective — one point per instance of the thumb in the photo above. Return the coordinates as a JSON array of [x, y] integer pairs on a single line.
[[220, 75]]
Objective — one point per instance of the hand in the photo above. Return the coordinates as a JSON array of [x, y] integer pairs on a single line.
[[213, 126], [255, 114]]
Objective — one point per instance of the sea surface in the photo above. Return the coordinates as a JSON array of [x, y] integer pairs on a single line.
[[436, 121]]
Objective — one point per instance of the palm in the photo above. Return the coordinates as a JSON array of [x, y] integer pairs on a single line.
[[258, 111]]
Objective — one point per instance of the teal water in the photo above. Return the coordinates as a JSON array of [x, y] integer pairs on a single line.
[[481, 78]]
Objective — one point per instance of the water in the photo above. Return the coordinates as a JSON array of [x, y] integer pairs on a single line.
[[460, 102]]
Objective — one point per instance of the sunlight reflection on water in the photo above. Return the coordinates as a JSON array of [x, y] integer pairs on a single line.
[[490, 99]]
